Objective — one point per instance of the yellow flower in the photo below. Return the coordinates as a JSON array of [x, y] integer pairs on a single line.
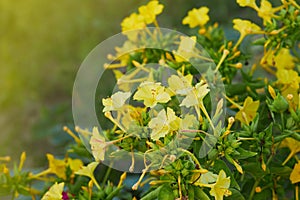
[[98, 145], [164, 123], [116, 101], [245, 27], [133, 22], [208, 178], [293, 145], [196, 95], [89, 172], [295, 175], [58, 167], [180, 84], [186, 48], [189, 122], [151, 93], [220, 188], [266, 12], [197, 17], [289, 78], [248, 111], [283, 59], [55, 192], [249, 3], [150, 11]]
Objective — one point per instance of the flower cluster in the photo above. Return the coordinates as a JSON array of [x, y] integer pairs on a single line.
[[198, 124]]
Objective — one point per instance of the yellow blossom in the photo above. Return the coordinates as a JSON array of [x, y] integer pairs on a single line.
[[180, 84], [293, 145], [151, 93], [189, 122], [89, 172], [288, 78], [55, 192], [186, 49], [150, 11], [220, 188], [208, 178], [284, 59], [164, 123], [248, 111], [197, 17], [116, 101], [295, 175], [98, 145], [58, 167], [245, 27], [196, 95], [133, 22], [249, 3], [266, 12]]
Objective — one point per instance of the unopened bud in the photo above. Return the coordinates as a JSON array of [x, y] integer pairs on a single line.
[[231, 120], [289, 97], [238, 65], [258, 189], [202, 31], [226, 52]]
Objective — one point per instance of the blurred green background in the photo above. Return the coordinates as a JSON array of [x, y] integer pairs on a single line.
[[42, 44]]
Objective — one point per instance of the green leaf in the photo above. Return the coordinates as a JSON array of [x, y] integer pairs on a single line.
[[191, 192], [153, 194], [235, 195], [166, 193], [200, 194], [243, 154], [281, 170], [114, 193], [254, 169]]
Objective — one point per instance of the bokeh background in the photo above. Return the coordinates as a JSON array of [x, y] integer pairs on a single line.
[[42, 44]]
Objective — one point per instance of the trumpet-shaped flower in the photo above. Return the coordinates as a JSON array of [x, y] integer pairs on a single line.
[[150, 11], [151, 93], [116, 101], [245, 27], [164, 123], [208, 178], [186, 49], [293, 145], [249, 3], [288, 78], [98, 145], [248, 111], [58, 167], [197, 17], [283, 59], [180, 84], [295, 175], [220, 188], [89, 172], [189, 122], [55, 192], [196, 95], [133, 22], [266, 12]]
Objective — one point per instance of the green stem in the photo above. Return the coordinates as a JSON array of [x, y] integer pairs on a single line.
[[107, 173], [253, 189], [282, 120]]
